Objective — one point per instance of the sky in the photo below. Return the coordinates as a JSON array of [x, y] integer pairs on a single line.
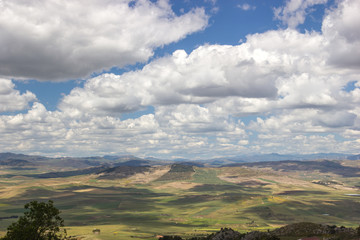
[[179, 79]]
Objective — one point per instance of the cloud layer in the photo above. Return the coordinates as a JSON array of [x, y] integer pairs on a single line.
[[279, 91]]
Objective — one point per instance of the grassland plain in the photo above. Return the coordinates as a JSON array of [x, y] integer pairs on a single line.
[[186, 201]]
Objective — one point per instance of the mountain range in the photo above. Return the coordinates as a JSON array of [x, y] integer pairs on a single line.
[[22, 160]]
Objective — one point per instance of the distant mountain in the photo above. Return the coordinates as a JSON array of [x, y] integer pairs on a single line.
[[93, 170], [130, 160], [76, 163], [274, 157], [121, 158], [354, 157], [110, 157], [180, 160], [281, 157], [134, 163], [15, 162], [329, 156], [154, 159], [8, 155], [191, 163], [68, 162], [122, 172], [65, 162], [324, 166]]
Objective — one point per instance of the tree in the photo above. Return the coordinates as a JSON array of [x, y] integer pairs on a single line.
[[41, 221]]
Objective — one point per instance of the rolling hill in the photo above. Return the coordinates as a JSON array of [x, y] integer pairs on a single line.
[[139, 198]]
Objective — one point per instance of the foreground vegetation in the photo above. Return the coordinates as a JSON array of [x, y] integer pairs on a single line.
[[186, 201], [41, 221]]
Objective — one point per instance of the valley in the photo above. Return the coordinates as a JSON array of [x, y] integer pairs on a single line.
[[140, 200]]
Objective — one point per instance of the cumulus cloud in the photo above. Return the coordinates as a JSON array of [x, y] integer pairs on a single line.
[[191, 118], [165, 132], [279, 91], [11, 99], [285, 76], [336, 119], [341, 29], [39, 127], [309, 143], [207, 74], [56, 39], [276, 69], [294, 12], [306, 91]]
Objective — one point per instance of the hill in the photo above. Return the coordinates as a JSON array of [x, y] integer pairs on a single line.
[[323, 166], [122, 172], [140, 198], [92, 161], [15, 162], [178, 172]]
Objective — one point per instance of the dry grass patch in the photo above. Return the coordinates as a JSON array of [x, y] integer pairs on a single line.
[[179, 185], [85, 190], [152, 175], [10, 192]]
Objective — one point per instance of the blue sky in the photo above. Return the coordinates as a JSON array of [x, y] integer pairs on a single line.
[[170, 79]]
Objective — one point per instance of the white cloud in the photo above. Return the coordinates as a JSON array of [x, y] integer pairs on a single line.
[[57, 39], [295, 11], [191, 118], [246, 7], [336, 119], [207, 74], [279, 91], [305, 91], [304, 121], [341, 28], [169, 129], [93, 135], [308, 143], [273, 70], [11, 99]]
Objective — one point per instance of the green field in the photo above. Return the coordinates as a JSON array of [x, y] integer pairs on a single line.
[[188, 201]]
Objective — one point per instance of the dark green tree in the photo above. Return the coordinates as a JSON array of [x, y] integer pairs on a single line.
[[41, 221]]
